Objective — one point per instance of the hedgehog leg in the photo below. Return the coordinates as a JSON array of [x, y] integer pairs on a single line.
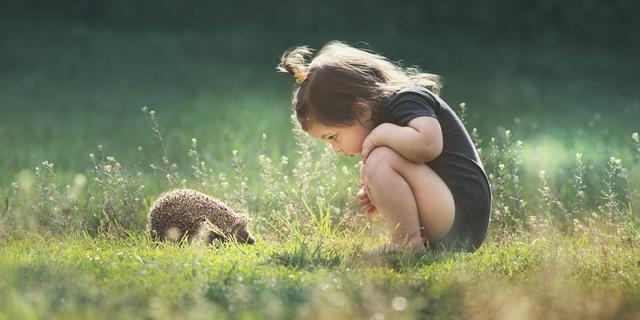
[[215, 236]]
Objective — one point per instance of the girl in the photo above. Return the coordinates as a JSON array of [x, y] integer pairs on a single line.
[[420, 169]]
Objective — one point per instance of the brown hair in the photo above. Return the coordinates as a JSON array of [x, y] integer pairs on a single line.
[[339, 76]]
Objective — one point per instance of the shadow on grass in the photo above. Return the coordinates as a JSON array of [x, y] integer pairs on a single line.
[[403, 261], [309, 255]]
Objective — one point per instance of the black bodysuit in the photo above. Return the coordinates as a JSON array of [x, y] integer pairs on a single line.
[[458, 165]]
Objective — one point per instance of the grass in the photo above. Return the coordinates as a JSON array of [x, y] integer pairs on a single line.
[[525, 277], [81, 164]]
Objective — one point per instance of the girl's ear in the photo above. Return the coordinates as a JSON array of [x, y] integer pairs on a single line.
[[364, 112]]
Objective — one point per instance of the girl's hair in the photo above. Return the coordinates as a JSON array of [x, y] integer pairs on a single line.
[[339, 76]]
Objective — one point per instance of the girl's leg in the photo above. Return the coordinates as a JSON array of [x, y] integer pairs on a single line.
[[413, 200]]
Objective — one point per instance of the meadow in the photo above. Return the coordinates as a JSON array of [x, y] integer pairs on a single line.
[[96, 121]]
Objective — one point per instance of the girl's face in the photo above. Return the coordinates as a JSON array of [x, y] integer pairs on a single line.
[[347, 140]]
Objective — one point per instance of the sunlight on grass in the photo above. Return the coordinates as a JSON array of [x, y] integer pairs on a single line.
[[545, 153]]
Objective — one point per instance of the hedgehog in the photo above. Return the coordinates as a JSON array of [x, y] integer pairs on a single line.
[[198, 216]]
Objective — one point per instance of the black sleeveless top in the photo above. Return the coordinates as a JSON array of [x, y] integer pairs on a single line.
[[458, 165]]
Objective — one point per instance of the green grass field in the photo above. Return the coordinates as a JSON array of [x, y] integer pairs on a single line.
[[564, 243]]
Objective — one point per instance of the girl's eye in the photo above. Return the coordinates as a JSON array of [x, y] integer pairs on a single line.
[[333, 137]]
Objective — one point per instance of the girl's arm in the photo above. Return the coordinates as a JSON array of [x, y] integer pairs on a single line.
[[419, 141]]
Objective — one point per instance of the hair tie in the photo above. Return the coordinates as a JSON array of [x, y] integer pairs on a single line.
[[299, 75]]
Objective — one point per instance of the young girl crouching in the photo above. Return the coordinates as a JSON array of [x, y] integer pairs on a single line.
[[420, 168]]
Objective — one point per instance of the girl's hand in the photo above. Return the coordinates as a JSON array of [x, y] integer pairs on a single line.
[[366, 203], [363, 196]]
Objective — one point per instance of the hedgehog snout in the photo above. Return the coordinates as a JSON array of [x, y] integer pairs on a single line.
[[244, 237]]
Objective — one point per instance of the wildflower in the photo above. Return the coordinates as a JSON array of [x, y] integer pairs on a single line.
[[48, 165], [614, 161]]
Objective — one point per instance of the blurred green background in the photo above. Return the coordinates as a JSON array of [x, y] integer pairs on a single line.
[[562, 75]]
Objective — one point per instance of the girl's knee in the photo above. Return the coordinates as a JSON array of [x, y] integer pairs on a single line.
[[380, 159]]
